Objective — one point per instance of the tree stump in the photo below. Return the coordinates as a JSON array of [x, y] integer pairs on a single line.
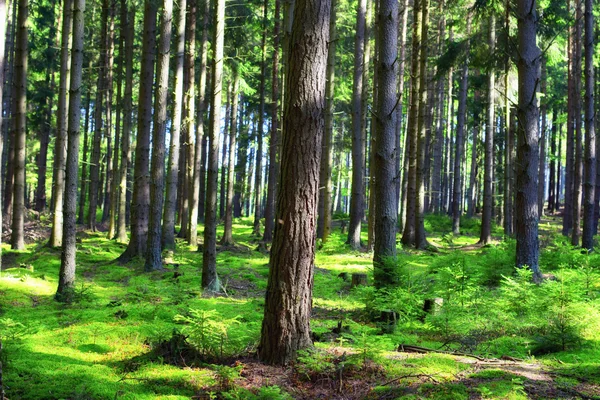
[[388, 320], [359, 279]]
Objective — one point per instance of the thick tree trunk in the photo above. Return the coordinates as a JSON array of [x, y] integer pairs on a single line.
[[274, 140], [590, 132], [526, 164], [210, 280], [286, 325], [386, 208], [3, 16], [67, 266], [129, 17], [140, 205], [154, 253], [168, 228], [19, 115], [488, 172]]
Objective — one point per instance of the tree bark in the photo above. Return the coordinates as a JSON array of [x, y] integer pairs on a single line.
[[286, 324], [19, 115], [358, 150], [140, 205], [386, 208], [542, 145], [68, 257], [110, 58], [526, 164], [590, 132], [227, 239]]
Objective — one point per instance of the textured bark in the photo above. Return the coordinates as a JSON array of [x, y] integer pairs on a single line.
[[458, 149], [60, 144], [240, 168], [386, 208], [488, 170], [471, 190], [578, 165], [408, 234], [590, 132], [3, 15], [140, 204], [552, 193], [224, 158], [199, 146], [67, 265], [7, 107], [129, 16], [168, 228], [542, 144], [227, 238], [189, 79], [84, 169], [210, 280], [358, 149], [202, 191], [569, 162], [420, 241], [526, 164], [95, 176], [286, 324], [368, 130], [402, 165], [157, 182], [261, 123], [438, 143], [107, 164], [274, 140], [19, 119]]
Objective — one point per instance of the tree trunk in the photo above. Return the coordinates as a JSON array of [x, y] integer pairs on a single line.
[[129, 17], [274, 140], [438, 144], [239, 197], [200, 147], [154, 253], [286, 324], [569, 163], [590, 131], [67, 266], [358, 150], [3, 16], [552, 193], [224, 158], [110, 53], [488, 172], [168, 228], [140, 205], [458, 150], [386, 208], [542, 145], [578, 166], [210, 280], [19, 115], [227, 239], [471, 195], [526, 164]]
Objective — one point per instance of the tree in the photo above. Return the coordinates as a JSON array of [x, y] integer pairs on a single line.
[[210, 280], [68, 257], [590, 132], [526, 164], [140, 206], [286, 323], [358, 149], [168, 228], [154, 252], [386, 208], [19, 116]]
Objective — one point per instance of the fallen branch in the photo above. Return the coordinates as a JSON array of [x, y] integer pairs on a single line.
[[424, 350], [410, 376]]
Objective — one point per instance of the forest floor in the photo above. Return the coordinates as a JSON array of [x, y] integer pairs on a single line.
[[486, 332]]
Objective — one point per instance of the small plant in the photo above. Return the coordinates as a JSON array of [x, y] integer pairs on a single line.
[[208, 332], [226, 375]]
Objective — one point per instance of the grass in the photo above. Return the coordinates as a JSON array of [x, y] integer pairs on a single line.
[[104, 345]]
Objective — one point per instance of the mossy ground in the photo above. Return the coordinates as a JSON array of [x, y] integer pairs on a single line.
[[98, 346]]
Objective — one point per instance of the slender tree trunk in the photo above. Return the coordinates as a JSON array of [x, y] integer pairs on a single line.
[[168, 228], [488, 173], [369, 130], [3, 16], [196, 197], [590, 131], [386, 208], [552, 193], [227, 239], [286, 325], [274, 140], [402, 165], [239, 197], [67, 266], [7, 122], [140, 205], [408, 234], [129, 17], [154, 253], [19, 116], [578, 166], [60, 146], [458, 150], [526, 164], [471, 192], [110, 52], [224, 158], [210, 280], [438, 144], [569, 163], [261, 122], [542, 145]]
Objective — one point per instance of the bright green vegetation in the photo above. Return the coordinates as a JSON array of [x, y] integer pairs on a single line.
[[121, 337]]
